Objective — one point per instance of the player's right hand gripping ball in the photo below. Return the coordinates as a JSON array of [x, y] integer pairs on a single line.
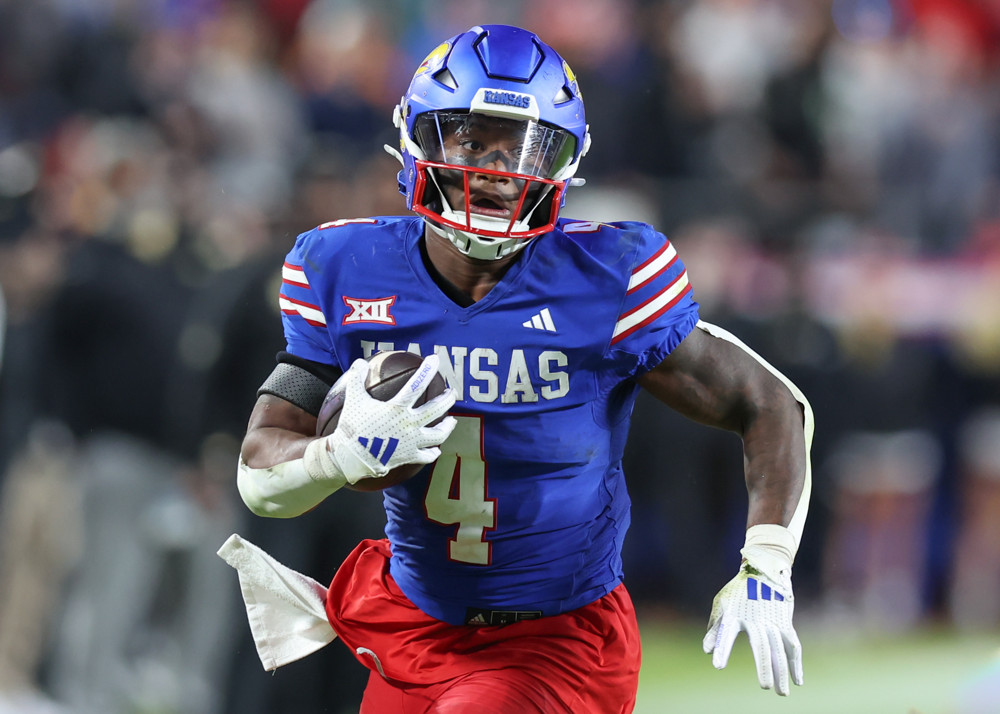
[[406, 383]]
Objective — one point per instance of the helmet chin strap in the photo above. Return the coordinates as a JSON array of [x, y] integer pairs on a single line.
[[474, 246], [477, 246]]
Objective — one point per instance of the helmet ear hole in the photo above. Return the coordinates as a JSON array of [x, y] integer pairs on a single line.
[[446, 78], [432, 198], [543, 212]]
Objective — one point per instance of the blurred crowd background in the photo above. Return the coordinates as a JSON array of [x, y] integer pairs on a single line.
[[830, 173]]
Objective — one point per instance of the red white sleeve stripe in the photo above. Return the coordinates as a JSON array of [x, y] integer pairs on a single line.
[[310, 313], [294, 275], [647, 312], [660, 261]]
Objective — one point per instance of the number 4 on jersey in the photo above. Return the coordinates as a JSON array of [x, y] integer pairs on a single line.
[[456, 494]]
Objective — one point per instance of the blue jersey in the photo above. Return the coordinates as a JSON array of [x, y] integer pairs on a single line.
[[526, 509]]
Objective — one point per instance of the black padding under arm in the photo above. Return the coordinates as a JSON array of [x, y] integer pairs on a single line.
[[300, 381]]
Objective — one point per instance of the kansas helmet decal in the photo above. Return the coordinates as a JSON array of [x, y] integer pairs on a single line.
[[434, 58], [571, 79]]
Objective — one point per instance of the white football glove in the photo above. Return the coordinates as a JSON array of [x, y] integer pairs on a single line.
[[373, 437], [759, 601]]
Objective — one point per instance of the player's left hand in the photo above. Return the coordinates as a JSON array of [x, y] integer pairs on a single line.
[[758, 601]]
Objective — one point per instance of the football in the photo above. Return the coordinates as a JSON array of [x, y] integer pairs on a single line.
[[387, 373]]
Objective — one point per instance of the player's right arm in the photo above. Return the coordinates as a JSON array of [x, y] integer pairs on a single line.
[[272, 477], [278, 431], [285, 470]]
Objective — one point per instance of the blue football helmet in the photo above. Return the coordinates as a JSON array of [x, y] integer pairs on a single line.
[[492, 130]]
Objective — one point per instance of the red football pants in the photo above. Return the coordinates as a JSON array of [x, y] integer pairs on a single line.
[[581, 662]]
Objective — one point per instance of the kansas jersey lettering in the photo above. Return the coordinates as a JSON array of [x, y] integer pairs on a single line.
[[526, 509]]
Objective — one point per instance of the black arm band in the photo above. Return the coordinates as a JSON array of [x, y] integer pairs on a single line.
[[327, 372], [295, 382]]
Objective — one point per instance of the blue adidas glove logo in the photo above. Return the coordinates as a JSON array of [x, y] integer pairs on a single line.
[[376, 448], [766, 593]]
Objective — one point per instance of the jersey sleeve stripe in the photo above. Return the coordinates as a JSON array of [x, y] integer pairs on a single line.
[[310, 313], [658, 263], [294, 275], [647, 312]]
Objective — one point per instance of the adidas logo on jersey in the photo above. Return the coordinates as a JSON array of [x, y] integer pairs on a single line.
[[476, 616], [541, 321]]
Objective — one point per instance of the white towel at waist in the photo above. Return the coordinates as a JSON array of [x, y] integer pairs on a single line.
[[285, 608]]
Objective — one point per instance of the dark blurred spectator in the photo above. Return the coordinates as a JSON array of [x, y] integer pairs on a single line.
[[974, 597], [876, 555]]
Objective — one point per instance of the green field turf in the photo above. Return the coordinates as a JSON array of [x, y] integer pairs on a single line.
[[927, 672]]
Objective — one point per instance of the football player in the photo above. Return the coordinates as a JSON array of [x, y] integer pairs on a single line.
[[499, 585]]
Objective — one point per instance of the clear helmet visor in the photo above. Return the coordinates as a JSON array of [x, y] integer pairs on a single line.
[[515, 146], [490, 177]]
